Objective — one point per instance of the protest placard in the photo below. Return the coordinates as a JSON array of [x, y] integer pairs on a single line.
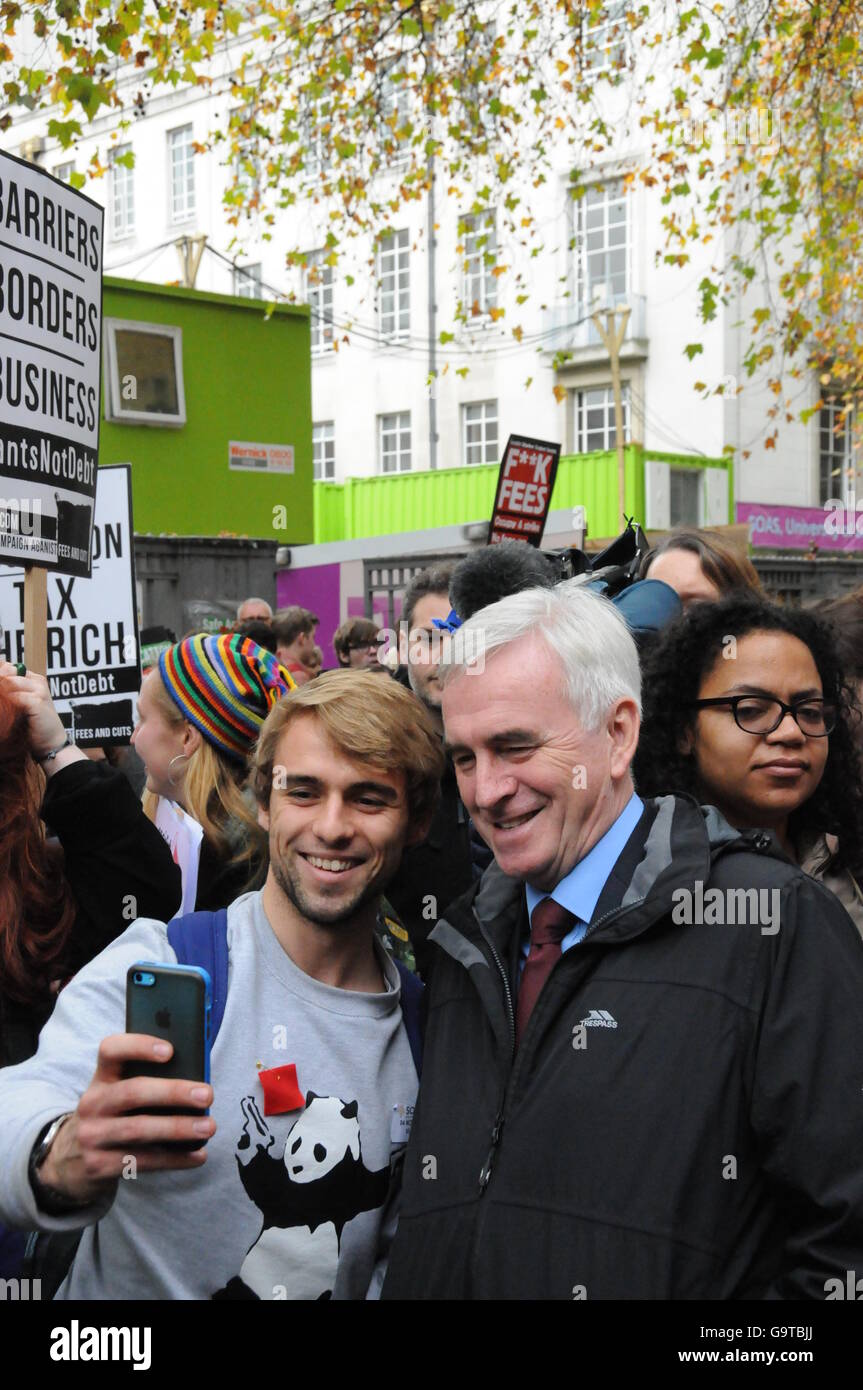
[[524, 487], [93, 670], [51, 335]]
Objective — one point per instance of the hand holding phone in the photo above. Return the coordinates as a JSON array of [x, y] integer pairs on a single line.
[[93, 1147], [171, 1002]]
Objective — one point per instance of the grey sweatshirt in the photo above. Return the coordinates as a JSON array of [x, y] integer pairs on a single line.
[[298, 1204]]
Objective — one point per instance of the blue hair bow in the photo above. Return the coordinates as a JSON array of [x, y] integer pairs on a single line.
[[449, 624]]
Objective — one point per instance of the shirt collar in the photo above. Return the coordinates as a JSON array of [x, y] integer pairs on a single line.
[[579, 892]]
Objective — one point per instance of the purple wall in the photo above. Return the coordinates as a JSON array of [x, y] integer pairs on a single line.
[[316, 588]]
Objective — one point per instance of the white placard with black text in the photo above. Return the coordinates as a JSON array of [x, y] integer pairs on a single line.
[[51, 243], [94, 669]]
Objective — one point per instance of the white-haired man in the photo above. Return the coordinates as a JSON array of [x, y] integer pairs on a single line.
[[622, 1098], [254, 608]]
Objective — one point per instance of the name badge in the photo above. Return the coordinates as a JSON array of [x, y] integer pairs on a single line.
[[400, 1127]]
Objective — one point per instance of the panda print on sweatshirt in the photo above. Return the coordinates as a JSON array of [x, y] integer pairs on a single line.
[[306, 1194]]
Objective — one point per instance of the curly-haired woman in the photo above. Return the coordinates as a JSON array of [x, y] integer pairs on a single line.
[[746, 708]]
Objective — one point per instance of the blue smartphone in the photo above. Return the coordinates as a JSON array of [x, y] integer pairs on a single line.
[[172, 1002]]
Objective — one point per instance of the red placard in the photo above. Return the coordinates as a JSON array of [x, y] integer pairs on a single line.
[[524, 487]]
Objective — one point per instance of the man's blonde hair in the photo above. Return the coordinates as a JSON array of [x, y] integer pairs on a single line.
[[371, 719]]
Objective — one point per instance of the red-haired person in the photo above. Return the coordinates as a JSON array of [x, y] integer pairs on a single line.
[[62, 903]]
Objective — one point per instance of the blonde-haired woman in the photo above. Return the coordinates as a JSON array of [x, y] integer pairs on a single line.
[[199, 714]]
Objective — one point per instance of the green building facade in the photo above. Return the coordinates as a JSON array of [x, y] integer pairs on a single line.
[[406, 502], [245, 373]]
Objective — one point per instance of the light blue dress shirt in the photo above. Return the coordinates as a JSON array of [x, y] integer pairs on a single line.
[[579, 892]]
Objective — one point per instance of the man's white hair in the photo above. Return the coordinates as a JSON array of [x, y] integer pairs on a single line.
[[246, 601], [598, 656]]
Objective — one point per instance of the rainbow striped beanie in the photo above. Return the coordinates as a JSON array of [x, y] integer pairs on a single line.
[[225, 686]]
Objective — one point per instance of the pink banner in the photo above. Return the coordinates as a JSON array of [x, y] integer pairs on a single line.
[[831, 527]]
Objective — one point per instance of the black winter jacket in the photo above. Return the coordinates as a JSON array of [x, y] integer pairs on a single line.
[[683, 1118], [439, 869]]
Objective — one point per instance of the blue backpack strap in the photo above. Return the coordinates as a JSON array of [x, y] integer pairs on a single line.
[[412, 993], [201, 938]]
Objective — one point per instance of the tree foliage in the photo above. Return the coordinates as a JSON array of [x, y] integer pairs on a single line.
[[744, 117]]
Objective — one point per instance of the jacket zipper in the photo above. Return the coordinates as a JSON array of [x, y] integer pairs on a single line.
[[485, 1171], [758, 842]]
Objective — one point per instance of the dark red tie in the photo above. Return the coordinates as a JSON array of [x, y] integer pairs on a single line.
[[549, 924]]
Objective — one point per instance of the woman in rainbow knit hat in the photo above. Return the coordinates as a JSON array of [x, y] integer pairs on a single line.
[[199, 715]]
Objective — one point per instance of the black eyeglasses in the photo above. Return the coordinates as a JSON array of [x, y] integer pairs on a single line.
[[756, 714]]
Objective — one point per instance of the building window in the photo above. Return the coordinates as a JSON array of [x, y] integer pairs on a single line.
[[393, 106], [394, 442], [479, 432], [394, 302], [315, 148], [247, 281], [684, 496], [122, 193], [324, 451], [601, 247], [181, 158], [605, 41], [319, 294], [144, 373], [247, 163], [64, 172], [479, 231], [836, 459], [594, 419]]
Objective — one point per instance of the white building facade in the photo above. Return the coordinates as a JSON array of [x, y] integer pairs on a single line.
[[389, 395]]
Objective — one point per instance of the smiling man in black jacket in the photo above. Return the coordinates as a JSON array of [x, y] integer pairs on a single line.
[[643, 1071]]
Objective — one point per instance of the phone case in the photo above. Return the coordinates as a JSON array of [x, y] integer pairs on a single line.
[[171, 1002]]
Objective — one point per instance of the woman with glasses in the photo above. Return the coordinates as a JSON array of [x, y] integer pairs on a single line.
[[746, 708]]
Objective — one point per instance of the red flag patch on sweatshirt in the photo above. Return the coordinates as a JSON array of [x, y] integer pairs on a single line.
[[281, 1090]]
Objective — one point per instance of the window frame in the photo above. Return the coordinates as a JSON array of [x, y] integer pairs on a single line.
[[316, 161], [484, 439], [189, 211], [832, 406], [393, 97], [396, 333], [399, 416], [468, 228], [113, 399], [608, 426], [611, 56], [613, 189], [318, 462], [320, 317], [126, 178], [247, 152], [246, 285]]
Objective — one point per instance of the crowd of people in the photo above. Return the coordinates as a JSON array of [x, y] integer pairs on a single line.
[[541, 944]]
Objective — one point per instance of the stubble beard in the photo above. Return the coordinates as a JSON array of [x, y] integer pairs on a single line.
[[424, 692], [341, 914]]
